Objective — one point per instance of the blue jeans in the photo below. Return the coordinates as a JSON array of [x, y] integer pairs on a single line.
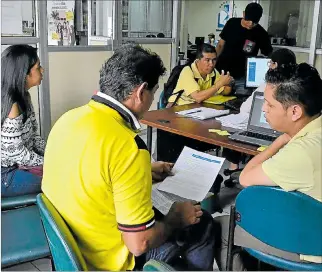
[[194, 244], [15, 182]]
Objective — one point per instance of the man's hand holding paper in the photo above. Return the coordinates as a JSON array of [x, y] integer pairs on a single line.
[[161, 170]]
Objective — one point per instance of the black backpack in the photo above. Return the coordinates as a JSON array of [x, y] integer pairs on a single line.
[[172, 83]]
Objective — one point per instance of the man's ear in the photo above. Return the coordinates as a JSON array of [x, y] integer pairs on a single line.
[[297, 112], [140, 91]]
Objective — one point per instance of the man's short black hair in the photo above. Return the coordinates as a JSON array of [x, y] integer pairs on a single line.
[[253, 12], [283, 56], [205, 48], [130, 66], [297, 84]]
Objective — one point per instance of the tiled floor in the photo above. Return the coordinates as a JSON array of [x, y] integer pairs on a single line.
[[227, 197], [38, 265]]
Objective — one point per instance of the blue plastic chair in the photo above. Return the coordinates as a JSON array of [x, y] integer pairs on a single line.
[[161, 105], [22, 235], [289, 221], [64, 249]]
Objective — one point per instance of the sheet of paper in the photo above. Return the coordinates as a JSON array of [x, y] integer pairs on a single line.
[[203, 113], [11, 20], [160, 201], [194, 174], [238, 121], [163, 200]]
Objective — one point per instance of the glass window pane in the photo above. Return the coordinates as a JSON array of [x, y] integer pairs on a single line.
[[18, 18], [67, 22], [290, 22], [102, 22], [319, 31], [147, 18]]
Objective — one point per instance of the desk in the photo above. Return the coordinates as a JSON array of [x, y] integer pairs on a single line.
[[192, 128]]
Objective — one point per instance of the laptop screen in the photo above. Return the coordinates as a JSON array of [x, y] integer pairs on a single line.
[[257, 116], [256, 70]]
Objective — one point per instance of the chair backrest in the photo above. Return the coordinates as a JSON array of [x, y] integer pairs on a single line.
[[161, 104], [290, 221], [63, 247]]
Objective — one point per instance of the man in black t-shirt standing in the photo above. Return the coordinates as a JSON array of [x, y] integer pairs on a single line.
[[242, 38]]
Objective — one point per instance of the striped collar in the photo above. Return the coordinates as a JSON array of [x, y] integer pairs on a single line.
[[126, 114]]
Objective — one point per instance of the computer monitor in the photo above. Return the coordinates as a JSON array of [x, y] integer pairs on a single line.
[[199, 41], [256, 70]]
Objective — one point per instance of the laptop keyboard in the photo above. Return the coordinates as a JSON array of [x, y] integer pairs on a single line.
[[257, 135]]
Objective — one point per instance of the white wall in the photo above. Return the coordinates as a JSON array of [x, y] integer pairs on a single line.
[[74, 76], [318, 64], [164, 51], [202, 16]]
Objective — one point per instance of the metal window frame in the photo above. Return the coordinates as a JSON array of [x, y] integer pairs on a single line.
[[41, 40], [312, 50]]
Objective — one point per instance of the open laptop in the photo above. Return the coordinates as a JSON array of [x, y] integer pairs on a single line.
[[258, 130]]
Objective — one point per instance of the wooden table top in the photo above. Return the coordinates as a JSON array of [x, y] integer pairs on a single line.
[[194, 128]]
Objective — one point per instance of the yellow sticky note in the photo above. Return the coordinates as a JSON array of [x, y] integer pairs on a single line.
[[69, 15], [54, 36], [223, 133], [262, 148], [219, 132]]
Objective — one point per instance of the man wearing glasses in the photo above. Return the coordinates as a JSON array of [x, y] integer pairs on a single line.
[[242, 38]]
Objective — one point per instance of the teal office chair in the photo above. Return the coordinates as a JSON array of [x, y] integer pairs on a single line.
[[65, 252], [289, 221], [161, 104], [22, 235], [64, 249]]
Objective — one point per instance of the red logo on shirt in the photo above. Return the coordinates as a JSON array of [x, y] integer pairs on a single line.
[[249, 46]]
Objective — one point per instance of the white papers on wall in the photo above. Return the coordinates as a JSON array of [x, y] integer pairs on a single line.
[[11, 18], [61, 22]]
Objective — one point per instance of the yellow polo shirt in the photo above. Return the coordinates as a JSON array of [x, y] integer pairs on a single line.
[[188, 83], [297, 166], [97, 173]]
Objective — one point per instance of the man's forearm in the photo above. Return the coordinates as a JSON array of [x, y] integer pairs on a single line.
[[265, 155], [163, 229], [200, 96], [219, 48]]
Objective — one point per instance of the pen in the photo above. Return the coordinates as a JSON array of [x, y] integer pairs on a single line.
[[194, 112]]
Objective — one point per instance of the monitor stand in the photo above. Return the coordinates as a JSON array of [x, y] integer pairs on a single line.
[[241, 89]]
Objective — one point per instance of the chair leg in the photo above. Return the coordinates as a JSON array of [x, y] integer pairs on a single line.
[[231, 239], [52, 264]]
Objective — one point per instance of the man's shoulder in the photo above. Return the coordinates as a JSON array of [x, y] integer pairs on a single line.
[[234, 21], [187, 71], [261, 29]]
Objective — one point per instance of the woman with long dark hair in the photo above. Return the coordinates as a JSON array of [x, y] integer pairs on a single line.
[[22, 149]]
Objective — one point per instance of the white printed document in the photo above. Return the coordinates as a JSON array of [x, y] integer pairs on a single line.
[[194, 174], [203, 113]]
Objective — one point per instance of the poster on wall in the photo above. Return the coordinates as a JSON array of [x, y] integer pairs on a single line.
[[226, 11], [61, 23]]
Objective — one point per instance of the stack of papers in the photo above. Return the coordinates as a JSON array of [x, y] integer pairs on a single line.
[[203, 113], [237, 121], [194, 174]]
